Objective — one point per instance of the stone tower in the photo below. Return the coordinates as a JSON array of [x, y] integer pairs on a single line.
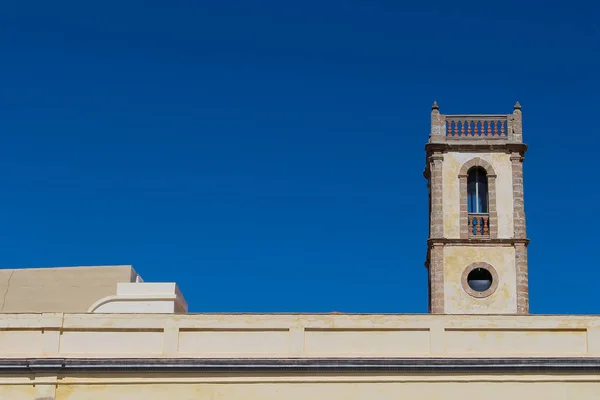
[[477, 246]]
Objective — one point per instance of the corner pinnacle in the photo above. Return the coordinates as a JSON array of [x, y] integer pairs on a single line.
[[435, 106], [517, 106]]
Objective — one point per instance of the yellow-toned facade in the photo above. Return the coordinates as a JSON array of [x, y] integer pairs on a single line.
[[295, 336], [81, 334], [383, 386], [453, 162], [456, 257], [299, 336], [457, 301]]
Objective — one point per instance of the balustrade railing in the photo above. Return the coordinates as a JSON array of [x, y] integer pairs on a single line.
[[489, 126], [479, 225]]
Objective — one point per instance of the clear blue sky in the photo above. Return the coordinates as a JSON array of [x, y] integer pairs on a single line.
[[268, 155]]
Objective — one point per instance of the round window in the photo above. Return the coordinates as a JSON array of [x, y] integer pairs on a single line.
[[480, 279]]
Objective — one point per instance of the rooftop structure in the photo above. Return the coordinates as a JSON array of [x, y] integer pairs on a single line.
[[85, 289]]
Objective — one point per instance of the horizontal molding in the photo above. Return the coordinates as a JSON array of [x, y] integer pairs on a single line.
[[479, 242], [475, 145], [409, 365]]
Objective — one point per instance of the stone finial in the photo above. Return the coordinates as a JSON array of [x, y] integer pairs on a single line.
[[438, 126], [516, 122]]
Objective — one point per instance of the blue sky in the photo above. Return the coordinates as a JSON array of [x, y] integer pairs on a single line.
[[268, 155]]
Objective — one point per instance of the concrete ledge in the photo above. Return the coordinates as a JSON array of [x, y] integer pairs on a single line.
[[475, 146], [142, 298]]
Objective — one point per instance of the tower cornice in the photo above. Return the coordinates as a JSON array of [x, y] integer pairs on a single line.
[[478, 242], [476, 146]]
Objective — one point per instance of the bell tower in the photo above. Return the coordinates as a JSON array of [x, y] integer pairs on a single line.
[[477, 246]]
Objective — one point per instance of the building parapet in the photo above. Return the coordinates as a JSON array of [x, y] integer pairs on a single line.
[[491, 128], [296, 336]]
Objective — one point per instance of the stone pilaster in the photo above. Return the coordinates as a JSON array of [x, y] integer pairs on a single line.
[[436, 278], [516, 160], [437, 200], [436, 251], [522, 278]]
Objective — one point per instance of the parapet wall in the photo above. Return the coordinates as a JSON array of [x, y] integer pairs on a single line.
[[295, 336]]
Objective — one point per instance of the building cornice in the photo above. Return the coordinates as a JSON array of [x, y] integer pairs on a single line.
[[476, 146], [478, 242], [408, 365]]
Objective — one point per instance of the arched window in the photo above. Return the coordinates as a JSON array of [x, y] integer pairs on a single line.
[[477, 191]]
